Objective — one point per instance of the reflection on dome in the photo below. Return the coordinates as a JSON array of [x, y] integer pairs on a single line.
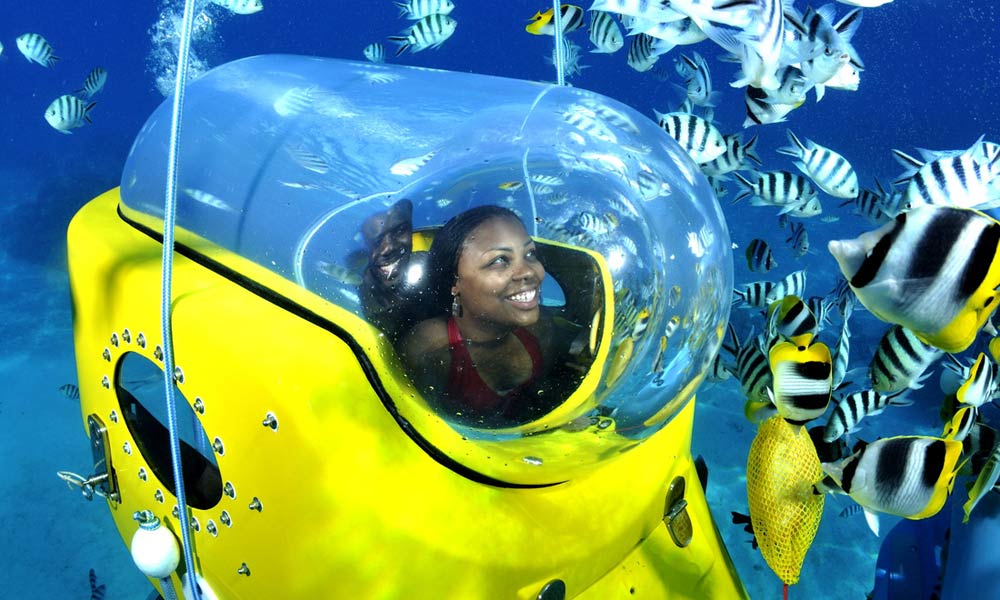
[[333, 186]]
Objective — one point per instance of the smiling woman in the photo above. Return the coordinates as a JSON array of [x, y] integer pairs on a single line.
[[486, 352]]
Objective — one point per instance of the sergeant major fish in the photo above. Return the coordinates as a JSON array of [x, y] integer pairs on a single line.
[[828, 170], [36, 49], [699, 138], [605, 34], [429, 32], [68, 112], [92, 84], [418, 9], [854, 407], [375, 52]]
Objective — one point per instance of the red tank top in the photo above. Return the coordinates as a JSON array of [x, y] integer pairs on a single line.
[[467, 388]]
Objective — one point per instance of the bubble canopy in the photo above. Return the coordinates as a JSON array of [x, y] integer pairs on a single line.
[[335, 176]]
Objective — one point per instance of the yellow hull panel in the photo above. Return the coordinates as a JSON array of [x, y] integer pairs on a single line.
[[350, 504]]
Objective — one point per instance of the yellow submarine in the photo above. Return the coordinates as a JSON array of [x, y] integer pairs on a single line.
[[309, 463]]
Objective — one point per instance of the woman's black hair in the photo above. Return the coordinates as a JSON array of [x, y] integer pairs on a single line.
[[447, 247]]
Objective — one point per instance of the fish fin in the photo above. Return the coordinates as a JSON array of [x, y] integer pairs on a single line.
[[820, 91], [871, 517]]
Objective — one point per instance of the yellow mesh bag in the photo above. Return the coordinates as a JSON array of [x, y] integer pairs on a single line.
[[781, 470]]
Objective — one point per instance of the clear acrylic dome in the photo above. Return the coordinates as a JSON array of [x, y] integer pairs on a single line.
[[337, 175]]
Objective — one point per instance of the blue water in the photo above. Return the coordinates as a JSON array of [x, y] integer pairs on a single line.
[[930, 81]]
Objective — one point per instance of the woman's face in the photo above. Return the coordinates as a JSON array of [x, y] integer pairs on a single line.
[[499, 275]]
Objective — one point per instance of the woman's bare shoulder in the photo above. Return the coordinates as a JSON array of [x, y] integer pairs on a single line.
[[426, 336]]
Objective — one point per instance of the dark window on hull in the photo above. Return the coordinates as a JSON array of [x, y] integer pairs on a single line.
[[139, 385]]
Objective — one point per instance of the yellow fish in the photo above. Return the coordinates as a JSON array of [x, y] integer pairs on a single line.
[[541, 24], [511, 186], [934, 270], [803, 380]]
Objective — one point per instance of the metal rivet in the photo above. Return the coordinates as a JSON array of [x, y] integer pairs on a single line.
[[142, 474], [141, 340], [127, 336], [225, 519], [106, 382], [158, 353], [244, 570], [113, 416], [114, 340], [106, 354], [199, 406], [218, 447], [553, 590], [158, 496], [210, 527], [270, 421], [256, 505], [127, 447], [194, 524], [178, 375], [176, 513], [229, 490]]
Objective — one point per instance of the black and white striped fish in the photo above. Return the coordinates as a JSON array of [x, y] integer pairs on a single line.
[[791, 319], [605, 34], [823, 43], [752, 368], [803, 380], [570, 19], [820, 306], [907, 476], [754, 293], [761, 109], [900, 360], [760, 258], [855, 407], [735, 156], [699, 138], [418, 9], [829, 171], [969, 179], [794, 284], [792, 88], [375, 52], [792, 193], [642, 53], [981, 385], [36, 49], [93, 83], [429, 32], [961, 424], [68, 112], [934, 270], [699, 81], [799, 239], [70, 390], [842, 355], [872, 205]]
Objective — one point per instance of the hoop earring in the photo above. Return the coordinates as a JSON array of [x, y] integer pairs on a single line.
[[456, 306]]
